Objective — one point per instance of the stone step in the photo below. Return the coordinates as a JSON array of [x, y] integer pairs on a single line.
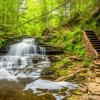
[[97, 63], [97, 74], [94, 88], [97, 80]]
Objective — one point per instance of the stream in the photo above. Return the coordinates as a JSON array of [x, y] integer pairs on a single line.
[[27, 60]]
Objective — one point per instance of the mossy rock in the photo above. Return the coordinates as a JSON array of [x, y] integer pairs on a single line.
[[47, 96]]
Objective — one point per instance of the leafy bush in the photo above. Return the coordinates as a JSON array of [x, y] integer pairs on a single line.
[[86, 62], [2, 42], [74, 42]]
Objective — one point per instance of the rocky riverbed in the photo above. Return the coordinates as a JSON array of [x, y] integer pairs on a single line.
[[72, 70], [23, 71], [90, 90]]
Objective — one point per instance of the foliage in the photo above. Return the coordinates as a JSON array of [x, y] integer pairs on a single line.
[[86, 62], [2, 42], [32, 17], [62, 67], [71, 41]]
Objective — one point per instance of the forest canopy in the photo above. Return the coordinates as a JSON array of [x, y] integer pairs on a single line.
[[32, 17]]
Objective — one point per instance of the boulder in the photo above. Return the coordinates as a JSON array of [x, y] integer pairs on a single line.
[[48, 73]]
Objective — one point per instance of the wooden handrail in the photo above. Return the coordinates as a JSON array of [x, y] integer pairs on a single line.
[[90, 44]]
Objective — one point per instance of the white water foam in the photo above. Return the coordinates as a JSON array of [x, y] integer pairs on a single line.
[[27, 60], [49, 85], [4, 74], [23, 57], [39, 85]]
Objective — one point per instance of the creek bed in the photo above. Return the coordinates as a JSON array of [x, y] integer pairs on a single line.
[[21, 74]]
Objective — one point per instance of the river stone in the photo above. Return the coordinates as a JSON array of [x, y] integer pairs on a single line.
[[94, 88], [37, 59], [47, 72]]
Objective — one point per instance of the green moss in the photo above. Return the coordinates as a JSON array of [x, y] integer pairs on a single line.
[[61, 67], [86, 62]]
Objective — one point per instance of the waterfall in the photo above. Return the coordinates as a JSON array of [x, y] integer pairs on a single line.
[[27, 46], [21, 56], [26, 60]]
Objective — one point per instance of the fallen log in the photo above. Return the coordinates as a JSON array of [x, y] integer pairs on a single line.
[[63, 78]]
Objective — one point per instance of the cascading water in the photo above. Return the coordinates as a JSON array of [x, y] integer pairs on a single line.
[[27, 60], [27, 46], [20, 57]]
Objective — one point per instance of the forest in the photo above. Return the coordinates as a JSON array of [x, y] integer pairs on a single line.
[[49, 49]]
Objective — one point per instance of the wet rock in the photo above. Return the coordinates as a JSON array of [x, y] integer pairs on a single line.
[[48, 73], [19, 62], [35, 60]]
